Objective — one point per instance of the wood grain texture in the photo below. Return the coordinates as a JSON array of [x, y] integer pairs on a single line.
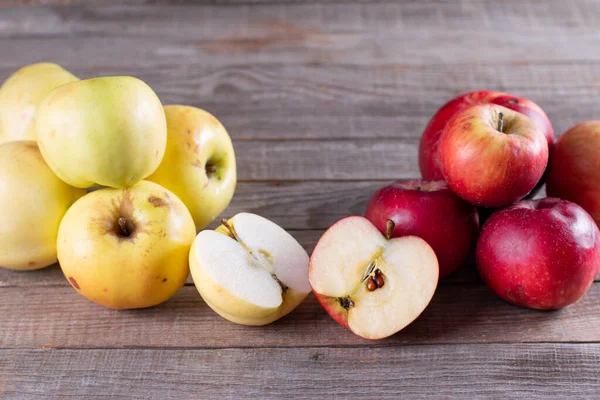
[[325, 101], [56, 316], [285, 89], [497, 371]]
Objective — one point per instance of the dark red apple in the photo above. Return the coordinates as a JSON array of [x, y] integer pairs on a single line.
[[492, 156], [540, 254], [429, 161], [431, 211], [574, 170]]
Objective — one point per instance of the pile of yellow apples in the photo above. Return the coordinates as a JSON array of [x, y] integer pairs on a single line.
[[97, 175]]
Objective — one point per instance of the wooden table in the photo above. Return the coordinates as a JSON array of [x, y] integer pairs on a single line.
[[325, 102]]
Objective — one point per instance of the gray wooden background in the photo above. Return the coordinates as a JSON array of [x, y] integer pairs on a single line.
[[326, 102]]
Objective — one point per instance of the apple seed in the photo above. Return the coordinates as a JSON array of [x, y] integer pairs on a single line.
[[375, 281]]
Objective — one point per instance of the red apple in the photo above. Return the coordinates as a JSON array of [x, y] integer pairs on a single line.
[[431, 211], [369, 284], [492, 156], [540, 254], [429, 161], [574, 170]]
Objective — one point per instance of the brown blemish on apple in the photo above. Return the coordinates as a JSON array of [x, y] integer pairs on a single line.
[[105, 290], [74, 283], [157, 201], [164, 280], [31, 263]]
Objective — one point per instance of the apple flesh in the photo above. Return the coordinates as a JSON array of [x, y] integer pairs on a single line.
[[20, 95], [369, 284], [126, 248], [429, 160], [431, 211], [574, 169], [199, 163], [541, 254], [492, 156], [32, 203], [108, 131], [249, 270]]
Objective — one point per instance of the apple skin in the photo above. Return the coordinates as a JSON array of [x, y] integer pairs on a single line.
[[431, 211], [429, 161], [333, 308], [197, 141], [33, 201], [574, 169], [20, 95], [488, 167], [109, 131], [541, 254], [118, 271]]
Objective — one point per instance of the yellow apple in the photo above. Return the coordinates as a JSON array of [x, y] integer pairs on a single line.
[[249, 270], [126, 248], [199, 163], [107, 131], [20, 95], [32, 203]]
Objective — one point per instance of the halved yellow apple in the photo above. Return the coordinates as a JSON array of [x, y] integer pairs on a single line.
[[249, 270]]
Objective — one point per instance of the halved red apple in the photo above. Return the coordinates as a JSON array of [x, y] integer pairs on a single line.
[[368, 283]]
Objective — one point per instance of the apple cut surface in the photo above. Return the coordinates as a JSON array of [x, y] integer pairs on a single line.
[[250, 270], [371, 285]]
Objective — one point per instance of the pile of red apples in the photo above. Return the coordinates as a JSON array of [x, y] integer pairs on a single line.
[[483, 156]]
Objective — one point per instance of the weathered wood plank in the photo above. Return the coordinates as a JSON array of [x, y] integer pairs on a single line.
[[304, 102], [540, 371], [56, 316], [262, 95], [451, 32], [384, 159]]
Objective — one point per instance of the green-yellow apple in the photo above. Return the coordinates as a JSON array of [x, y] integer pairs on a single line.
[[126, 248], [249, 270], [107, 131], [20, 95], [369, 283], [32, 203], [199, 163]]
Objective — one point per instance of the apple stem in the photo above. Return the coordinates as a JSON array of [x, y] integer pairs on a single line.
[[210, 169], [500, 122], [389, 228], [123, 226], [231, 230]]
